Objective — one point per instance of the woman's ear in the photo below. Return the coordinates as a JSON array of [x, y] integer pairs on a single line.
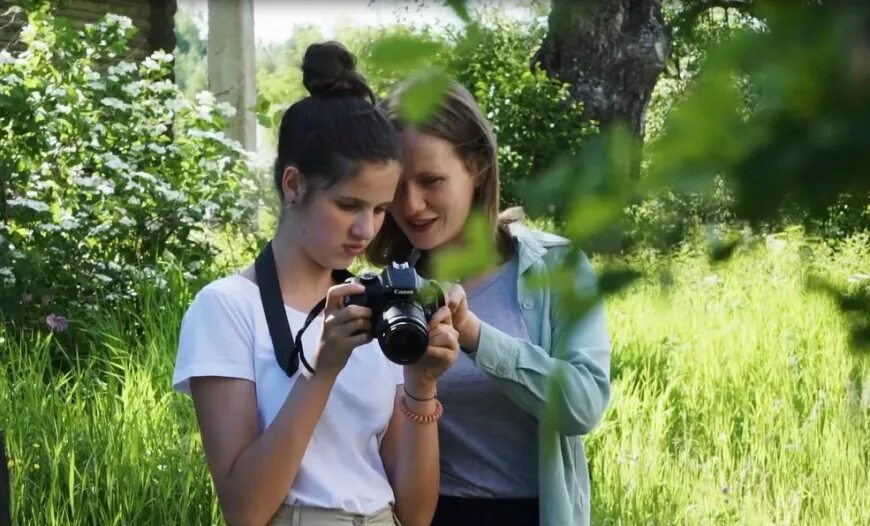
[[473, 167], [291, 185]]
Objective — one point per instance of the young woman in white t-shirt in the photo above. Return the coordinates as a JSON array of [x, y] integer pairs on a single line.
[[356, 441]]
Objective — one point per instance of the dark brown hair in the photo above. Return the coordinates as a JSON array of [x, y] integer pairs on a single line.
[[327, 134]]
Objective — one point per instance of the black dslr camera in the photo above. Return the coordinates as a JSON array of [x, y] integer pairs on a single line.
[[402, 303]]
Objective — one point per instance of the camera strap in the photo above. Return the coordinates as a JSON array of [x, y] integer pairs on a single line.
[[288, 350]]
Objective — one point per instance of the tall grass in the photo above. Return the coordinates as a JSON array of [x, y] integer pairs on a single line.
[[105, 441], [735, 401]]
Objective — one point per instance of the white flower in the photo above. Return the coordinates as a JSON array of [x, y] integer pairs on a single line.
[[68, 223], [106, 188], [156, 148], [97, 85], [203, 112], [124, 23], [122, 68], [150, 64], [32, 204], [135, 201], [6, 57], [54, 91], [104, 278], [205, 97], [112, 102], [146, 176], [126, 221], [113, 162], [169, 194], [87, 182], [177, 104], [132, 89], [63, 108], [161, 56], [158, 129], [226, 109], [163, 85]]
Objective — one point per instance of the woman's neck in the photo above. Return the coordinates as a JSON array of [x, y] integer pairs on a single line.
[[303, 281]]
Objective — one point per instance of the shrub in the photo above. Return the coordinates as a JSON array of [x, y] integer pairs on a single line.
[[106, 170]]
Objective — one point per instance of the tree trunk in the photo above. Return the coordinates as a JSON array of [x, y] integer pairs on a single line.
[[611, 52]]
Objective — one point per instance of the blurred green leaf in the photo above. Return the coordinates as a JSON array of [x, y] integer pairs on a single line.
[[720, 250], [403, 52], [277, 115], [613, 280], [422, 95], [475, 255]]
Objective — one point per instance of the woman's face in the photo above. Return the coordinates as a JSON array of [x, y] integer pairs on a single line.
[[339, 222], [435, 192]]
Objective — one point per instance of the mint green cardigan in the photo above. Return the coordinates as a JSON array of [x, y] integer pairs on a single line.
[[520, 368]]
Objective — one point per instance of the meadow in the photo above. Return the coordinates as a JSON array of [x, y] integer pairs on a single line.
[[736, 400]]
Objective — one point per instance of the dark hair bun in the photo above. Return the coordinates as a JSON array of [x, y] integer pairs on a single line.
[[328, 68]]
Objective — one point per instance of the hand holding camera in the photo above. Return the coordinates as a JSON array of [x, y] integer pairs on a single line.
[[402, 305], [344, 329]]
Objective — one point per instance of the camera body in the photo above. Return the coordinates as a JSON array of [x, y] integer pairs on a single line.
[[402, 303]]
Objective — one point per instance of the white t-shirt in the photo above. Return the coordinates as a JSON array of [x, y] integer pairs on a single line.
[[224, 333]]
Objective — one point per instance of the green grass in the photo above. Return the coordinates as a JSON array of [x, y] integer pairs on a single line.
[[736, 400]]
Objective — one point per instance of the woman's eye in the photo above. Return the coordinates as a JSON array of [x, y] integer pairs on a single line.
[[381, 210], [347, 206], [429, 182]]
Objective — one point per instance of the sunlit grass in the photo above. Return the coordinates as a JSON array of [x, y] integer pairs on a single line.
[[735, 401]]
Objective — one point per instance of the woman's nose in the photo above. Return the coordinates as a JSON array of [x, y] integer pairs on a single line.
[[412, 201], [364, 226]]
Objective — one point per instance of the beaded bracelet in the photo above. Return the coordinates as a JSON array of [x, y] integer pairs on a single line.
[[417, 418]]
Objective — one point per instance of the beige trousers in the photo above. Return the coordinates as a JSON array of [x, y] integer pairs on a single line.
[[307, 516]]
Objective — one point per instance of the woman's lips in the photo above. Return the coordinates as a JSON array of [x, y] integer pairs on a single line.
[[420, 226], [353, 249]]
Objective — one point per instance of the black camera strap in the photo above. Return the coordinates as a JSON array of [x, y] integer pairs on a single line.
[[288, 350]]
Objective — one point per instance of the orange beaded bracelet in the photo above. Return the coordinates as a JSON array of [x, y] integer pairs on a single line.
[[417, 418]]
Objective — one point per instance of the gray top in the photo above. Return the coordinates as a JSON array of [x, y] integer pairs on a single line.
[[489, 445]]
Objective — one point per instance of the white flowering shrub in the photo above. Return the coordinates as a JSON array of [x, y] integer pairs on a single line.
[[106, 171]]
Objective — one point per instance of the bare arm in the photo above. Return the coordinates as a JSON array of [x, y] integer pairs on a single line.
[[410, 450], [253, 471]]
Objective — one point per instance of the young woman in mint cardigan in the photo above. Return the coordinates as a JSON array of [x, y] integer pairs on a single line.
[[493, 466]]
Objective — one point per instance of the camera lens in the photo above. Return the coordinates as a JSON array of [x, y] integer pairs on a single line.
[[405, 336]]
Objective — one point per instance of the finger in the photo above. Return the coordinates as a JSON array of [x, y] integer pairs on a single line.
[[336, 292], [358, 340], [352, 312], [354, 327], [456, 297], [441, 355], [442, 316], [448, 337]]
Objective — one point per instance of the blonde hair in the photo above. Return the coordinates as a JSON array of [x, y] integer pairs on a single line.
[[458, 120]]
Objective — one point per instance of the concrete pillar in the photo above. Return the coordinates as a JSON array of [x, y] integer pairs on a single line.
[[231, 75]]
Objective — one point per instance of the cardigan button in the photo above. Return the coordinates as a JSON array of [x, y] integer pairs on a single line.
[[528, 304]]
